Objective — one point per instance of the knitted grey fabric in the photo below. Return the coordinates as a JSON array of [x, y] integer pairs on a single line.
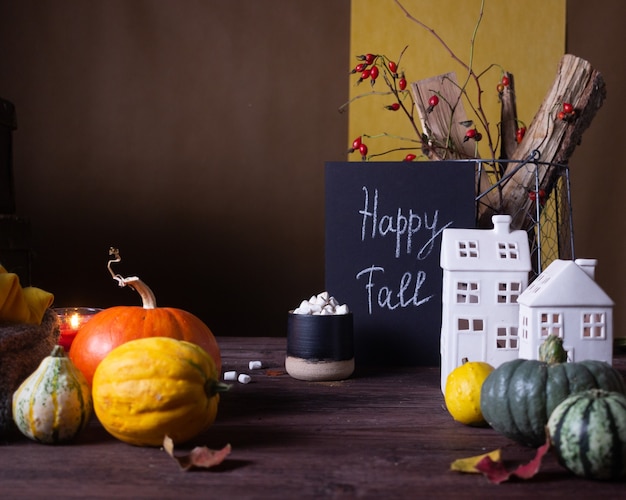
[[22, 348]]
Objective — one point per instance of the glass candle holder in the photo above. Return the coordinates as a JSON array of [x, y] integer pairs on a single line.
[[72, 319]]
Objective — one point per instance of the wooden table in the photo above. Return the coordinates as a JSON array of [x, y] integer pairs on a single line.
[[380, 434]]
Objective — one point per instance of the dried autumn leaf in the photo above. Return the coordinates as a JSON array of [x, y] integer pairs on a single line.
[[497, 473], [494, 471], [531, 468], [469, 464], [200, 456]]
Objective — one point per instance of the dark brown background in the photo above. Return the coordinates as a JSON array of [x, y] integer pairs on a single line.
[[192, 135]]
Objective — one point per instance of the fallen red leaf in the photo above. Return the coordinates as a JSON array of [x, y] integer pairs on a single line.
[[526, 471], [200, 456], [496, 472]]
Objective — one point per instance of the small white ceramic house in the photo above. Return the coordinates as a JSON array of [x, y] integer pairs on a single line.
[[565, 300], [484, 272]]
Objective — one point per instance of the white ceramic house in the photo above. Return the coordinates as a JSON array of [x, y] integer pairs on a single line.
[[565, 300], [484, 272]]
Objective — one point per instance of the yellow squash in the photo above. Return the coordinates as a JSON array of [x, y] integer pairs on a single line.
[[54, 403], [462, 391], [152, 387]]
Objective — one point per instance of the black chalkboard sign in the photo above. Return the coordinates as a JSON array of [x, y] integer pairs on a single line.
[[383, 238]]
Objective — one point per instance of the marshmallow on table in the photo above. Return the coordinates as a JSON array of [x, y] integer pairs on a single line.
[[255, 365]]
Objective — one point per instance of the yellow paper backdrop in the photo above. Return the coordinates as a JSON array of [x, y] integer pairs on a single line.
[[525, 38]]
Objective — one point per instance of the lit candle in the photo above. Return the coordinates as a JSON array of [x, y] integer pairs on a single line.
[[72, 320]]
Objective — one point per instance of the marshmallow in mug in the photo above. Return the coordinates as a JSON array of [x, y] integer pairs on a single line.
[[322, 304]]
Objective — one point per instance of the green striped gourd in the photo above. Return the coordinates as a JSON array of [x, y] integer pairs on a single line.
[[588, 434], [54, 403]]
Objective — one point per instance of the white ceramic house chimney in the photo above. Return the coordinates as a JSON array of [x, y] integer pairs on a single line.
[[588, 265], [501, 224]]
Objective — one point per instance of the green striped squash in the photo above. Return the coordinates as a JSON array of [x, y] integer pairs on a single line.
[[54, 403], [588, 434]]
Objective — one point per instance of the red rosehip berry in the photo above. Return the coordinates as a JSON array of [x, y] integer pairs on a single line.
[[500, 88], [519, 134], [356, 143], [393, 67], [432, 102], [402, 83], [568, 109], [410, 157], [393, 107], [359, 68], [369, 58], [537, 195], [374, 74], [470, 134], [363, 150], [506, 81]]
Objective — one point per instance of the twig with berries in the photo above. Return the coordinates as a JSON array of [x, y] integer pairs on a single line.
[[371, 67]]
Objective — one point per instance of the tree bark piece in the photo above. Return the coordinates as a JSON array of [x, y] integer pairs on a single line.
[[549, 140], [508, 119], [443, 125]]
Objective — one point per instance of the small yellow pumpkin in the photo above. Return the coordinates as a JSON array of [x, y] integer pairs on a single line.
[[53, 404], [152, 387]]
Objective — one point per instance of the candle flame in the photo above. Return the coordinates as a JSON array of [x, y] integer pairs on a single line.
[[75, 321]]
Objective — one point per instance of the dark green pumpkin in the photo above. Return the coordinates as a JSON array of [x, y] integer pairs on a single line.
[[588, 434], [518, 397]]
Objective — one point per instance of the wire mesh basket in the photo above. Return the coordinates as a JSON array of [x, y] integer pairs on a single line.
[[537, 196]]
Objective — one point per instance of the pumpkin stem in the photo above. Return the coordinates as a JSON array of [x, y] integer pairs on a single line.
[[148, 299], [213, 387], [552, 351]]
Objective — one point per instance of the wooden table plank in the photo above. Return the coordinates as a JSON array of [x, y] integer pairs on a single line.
[[379, 434]]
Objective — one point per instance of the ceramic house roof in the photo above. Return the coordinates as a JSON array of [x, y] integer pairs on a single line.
[[565, 283], [497, 249]]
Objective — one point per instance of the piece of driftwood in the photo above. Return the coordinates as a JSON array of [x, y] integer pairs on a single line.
[[508, 119], [443, 126], [549, 141]]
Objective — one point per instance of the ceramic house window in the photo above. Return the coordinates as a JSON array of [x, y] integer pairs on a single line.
[[551, 324], [508, 250], [594, 326], [467, 292], [508, 293], [467, 249], [506, 337], [470, 325], [524, 327]]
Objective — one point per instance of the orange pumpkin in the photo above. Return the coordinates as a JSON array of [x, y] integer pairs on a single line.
[[116, 325]]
